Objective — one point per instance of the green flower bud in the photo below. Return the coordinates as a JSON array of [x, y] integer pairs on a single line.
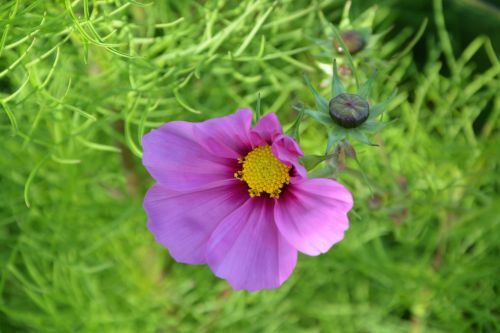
[[349, 110], [354, 41]]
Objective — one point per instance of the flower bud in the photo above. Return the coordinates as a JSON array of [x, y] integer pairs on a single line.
[[349, 110], [354, 41]]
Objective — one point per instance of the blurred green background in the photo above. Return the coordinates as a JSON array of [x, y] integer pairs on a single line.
[[81, 82]]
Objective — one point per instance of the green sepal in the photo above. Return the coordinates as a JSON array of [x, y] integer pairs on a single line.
[[365, 88], [321, 117], [358, 135], [311, 161], [372, 126], [335, 135], [321, 102], [325, 172], [337, 86], [377, 109], [294, 130]]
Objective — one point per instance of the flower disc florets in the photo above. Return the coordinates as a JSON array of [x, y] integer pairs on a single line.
[[349, 110], [263, 172]]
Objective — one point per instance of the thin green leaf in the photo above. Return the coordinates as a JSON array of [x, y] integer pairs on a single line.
[[258, 112], [169, 24], [15, 63], [98, 146], [142, 121], [181, 101], [128, 131], [31, 176], [17, 92], [12, 118], [65, 160], [254, 31], [444, 37], [7, 28], [414, 40]]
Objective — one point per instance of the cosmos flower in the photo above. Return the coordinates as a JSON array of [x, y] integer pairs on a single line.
[[236, 198]]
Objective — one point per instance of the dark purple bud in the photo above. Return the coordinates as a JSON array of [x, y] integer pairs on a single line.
[[354, 41], [349, 110]]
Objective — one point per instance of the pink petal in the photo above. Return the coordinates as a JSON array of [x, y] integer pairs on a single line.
[[175, 158], [226, 136], [247, 249], [266, 129], [288, 151], [183, 222], [312, 214]]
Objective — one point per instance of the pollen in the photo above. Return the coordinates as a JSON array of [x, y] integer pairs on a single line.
[[263, 172]]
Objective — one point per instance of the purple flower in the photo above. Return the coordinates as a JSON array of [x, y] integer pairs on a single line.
[[236, 198]]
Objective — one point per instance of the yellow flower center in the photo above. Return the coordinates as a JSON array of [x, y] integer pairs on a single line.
[[263, 172]]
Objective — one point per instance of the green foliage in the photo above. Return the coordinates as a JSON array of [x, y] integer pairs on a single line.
[[82, 81]]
